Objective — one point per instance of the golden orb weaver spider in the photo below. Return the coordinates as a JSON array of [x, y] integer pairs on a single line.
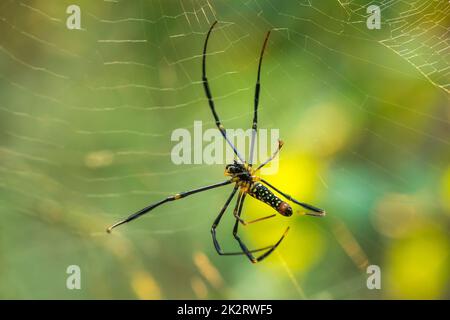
[[243, 175]]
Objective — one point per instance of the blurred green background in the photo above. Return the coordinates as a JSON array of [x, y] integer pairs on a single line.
[[86, 118]]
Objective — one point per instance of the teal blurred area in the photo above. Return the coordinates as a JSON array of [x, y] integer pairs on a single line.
[[86, 118]]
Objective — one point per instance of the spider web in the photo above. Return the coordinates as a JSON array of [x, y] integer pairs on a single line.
[[417, 31], [86, 119]]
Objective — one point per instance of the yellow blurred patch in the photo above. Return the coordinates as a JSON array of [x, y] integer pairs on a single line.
[[418, 266], [349, 243], [199, 288], [145, 286], [208, 270], [99, 159], [396, 215], [324, 129]]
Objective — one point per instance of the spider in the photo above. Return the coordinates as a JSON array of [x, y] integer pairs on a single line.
[[243, 175]]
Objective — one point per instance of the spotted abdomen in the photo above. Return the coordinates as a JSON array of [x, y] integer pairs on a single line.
[[261, 192]]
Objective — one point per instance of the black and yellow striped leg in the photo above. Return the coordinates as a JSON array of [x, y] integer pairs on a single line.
[[247, 252], [168, 199], [217, 221], [210, 98], [314, 211]]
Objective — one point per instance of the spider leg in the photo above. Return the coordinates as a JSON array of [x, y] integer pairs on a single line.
[[247, 252], [237, 211], [217, 221], [170, 198], [245, 223], [280, 145], [210, 99], [316, 212], [255, 111]]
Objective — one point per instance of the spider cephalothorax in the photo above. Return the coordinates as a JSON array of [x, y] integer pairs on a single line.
[[239, 171], [235, 168], [244, 177]]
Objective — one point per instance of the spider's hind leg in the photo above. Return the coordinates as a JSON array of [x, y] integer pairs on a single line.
[[244, 248], [217, 221], [237, 214]]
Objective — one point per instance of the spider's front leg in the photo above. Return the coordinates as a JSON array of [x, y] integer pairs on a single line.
[[247, 252]]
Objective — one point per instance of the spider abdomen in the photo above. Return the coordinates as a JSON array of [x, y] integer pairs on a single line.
[[262, 193]]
